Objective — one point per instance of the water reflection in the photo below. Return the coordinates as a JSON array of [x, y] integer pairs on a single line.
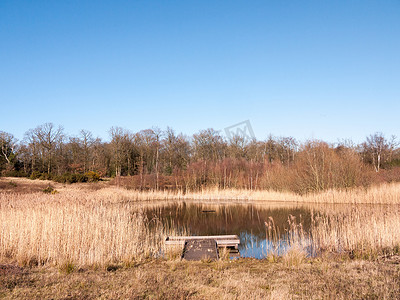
[[245, 220]]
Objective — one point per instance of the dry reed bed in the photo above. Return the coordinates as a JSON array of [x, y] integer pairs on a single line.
[[60, 229], [359, 231], [86, 227], [388, 193], [362, 231], [382, 194]]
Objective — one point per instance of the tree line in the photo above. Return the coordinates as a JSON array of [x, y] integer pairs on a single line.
[[162, 159]]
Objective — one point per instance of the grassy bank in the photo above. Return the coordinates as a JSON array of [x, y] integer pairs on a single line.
[[333, 278]]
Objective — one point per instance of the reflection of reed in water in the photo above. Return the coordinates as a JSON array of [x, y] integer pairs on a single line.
[[227, 219], [363, 231], [293, 237]]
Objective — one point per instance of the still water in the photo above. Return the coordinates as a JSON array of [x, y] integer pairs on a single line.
[[247, 221]]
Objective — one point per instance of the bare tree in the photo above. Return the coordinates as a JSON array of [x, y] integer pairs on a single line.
[[287, 148], [271, 148], [378, 149], [237, 146], [47, 137], [117, 143], [148, 143], [209, 145], [157, 144], [7, 146], [32, 145], [86, 140], [176, 151]]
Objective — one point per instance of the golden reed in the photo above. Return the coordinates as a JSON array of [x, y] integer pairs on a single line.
[[88, 227]]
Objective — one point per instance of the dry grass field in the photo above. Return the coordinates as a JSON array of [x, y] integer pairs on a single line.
[[92, 241], [324, 278]]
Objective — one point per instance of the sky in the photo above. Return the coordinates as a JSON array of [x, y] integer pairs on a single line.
[[308, 69]]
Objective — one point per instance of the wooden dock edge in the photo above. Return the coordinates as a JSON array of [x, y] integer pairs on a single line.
[[223, 241]]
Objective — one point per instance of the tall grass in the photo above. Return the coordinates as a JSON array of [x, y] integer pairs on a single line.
[[39, 229], [358, 231], [105, 226], [294, 244], [388, 193], [362, 231]]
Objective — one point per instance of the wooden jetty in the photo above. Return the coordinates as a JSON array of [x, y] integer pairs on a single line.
[[204, 247], [200, 249]]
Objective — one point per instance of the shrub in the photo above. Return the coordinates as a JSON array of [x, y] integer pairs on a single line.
[[70, 178], [81, 178], [50, 190], [35, 175], [13, 184], [14, 173], [67, 267], [59, 179], [92, 176], [45, 176]]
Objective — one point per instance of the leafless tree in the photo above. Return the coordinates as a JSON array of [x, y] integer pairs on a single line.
[[118, 143], [378, 149], [176, 151], [159, 159], [209, 145], [7, 146], [86, 140], [46, 137]]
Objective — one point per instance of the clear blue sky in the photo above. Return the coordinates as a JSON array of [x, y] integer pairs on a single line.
[[308, 69]]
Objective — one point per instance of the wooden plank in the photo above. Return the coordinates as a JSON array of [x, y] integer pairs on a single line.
[[200, 249], [218, 241], [204, 237], [221, 243], [234, 254]]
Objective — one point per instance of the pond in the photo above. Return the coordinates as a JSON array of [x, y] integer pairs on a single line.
[[247, 221]]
